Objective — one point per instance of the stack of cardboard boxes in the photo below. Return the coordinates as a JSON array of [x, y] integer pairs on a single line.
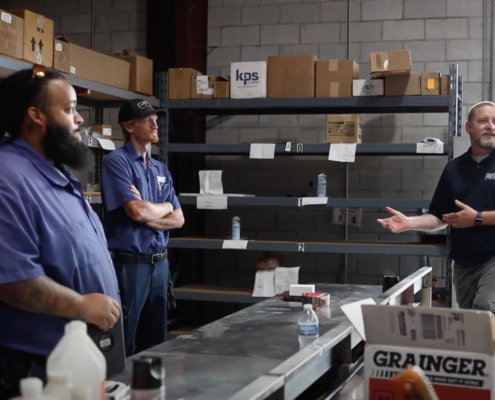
[[29, 36]]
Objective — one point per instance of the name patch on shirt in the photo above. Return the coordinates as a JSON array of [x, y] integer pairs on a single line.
[[490, 176], [161, 180]]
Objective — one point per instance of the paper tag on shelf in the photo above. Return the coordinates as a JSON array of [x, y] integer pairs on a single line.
[[6, 17], [106, 144], [262, 151], [288, 146], [202, 84], [429, 148], [211, 202], [235, 244], [342, 152], [311, 201], [72, 70]]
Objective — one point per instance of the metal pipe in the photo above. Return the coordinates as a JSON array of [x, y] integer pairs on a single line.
[[93, 13]]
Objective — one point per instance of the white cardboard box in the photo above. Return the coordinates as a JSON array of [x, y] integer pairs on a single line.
[[453, 347], [368, 87], [248, 80]]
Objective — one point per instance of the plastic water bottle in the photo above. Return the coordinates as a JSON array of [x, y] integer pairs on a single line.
[[31, 389], [309, 329], [236, 228], [322, 185]]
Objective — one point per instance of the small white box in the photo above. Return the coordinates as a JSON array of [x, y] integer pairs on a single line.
[[368, 87], [299, 289], [248, 80]]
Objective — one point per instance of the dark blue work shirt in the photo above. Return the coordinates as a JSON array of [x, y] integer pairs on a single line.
[[121, 169], [473, 184], [46, 228]]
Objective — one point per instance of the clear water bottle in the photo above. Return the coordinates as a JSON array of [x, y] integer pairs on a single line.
[[322, 185], [309, 329], [236, 228]]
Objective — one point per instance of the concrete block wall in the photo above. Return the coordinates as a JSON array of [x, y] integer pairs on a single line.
[[438, 33]]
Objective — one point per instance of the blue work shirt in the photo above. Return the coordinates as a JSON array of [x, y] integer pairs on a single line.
[[121, 169], [46, 228]]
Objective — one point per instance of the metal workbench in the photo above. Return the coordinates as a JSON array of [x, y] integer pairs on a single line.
[[254, 354]]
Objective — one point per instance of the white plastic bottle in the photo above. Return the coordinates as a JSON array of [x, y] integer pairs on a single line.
[[322, 185], [59, 385], [81, 394], [77, 354], [308, 324], [31, 389]]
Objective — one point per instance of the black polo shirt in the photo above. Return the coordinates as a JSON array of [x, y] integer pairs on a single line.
[[473, 184]]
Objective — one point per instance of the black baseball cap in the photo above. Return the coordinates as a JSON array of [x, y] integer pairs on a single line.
[[137, 108]]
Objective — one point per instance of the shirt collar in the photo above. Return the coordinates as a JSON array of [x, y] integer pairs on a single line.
[[41, 164], [467, 157], [136, 155]]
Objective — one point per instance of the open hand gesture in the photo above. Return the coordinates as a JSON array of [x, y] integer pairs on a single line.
[[397, 223], [461, 219]]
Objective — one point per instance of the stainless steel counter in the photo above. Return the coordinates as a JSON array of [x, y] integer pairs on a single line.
[[254, 353]]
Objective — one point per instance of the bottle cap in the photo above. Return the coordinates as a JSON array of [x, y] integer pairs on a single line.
[[147, 373], [31, 387], [308, 306]]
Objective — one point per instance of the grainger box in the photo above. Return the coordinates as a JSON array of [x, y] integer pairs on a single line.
[[453, 347]]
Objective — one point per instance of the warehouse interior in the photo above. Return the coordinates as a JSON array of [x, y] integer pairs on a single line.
[[272, 147]]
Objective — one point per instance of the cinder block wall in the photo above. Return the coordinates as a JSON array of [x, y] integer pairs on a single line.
[[119, 24], [438, 33]]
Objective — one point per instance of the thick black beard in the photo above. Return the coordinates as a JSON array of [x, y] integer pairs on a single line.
[[63, 148]]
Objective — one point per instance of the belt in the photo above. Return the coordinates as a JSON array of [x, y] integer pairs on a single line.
[[139, 258]]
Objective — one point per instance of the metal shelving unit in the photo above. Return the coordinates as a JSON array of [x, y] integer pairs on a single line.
[[451, 104]]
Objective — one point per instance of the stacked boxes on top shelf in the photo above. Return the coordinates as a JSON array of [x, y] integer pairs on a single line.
[[30, 37], [304, 76]]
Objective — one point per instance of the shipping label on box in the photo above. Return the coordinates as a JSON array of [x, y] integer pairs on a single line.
[[344, 129], [291, 77], [11, 34], [453, 347], [202, 86], [390, 63], [430, 83], [248, 80], [334, 77], [403, 85], [368, 87]]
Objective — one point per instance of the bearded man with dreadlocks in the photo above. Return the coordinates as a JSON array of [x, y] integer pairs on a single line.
[[54, 262]]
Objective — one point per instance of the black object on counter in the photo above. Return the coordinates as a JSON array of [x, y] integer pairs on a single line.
[[147, 373], [389, 281]]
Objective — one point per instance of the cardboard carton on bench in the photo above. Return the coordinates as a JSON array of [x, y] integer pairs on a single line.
[[453, 347]]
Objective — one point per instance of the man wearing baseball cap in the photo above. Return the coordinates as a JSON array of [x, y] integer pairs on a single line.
[[140, 209]]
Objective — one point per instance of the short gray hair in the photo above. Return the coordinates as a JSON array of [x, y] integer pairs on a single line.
[[473, 109]]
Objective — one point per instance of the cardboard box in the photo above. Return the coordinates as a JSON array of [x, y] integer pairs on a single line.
[[445, 85], [344, 129], [403, 85], [105, 130], [221, 89], [291, 76], [390, 63], [90, 64], [430, 83], [11, 34], [248, 80], [453, 347], [334, 77], [179, 82], [38, 38], [368, 87], [141, 72]]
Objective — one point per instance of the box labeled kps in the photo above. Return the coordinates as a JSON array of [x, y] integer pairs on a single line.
[[248, 80]]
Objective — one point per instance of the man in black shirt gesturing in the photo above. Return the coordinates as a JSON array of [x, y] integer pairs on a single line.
[[465, 200]]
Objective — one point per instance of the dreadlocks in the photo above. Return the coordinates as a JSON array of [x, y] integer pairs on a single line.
[[18, 92]]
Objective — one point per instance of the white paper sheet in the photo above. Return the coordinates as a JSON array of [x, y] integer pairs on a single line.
[[342, 152], [210, 182], [312, 201], [211, 202], [106, 144], [429, 148], [264, 284], [202, 84], [284, 277], [235, 244], [262, 151]]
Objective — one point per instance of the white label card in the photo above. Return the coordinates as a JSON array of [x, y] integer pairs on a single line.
[[342, 152], [6, 17], [202, 84], [235, 244], [429, 148], [262, 151], [288, 146], [211, 202], [312, 201]]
